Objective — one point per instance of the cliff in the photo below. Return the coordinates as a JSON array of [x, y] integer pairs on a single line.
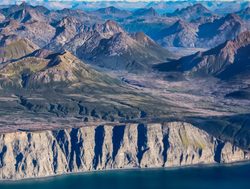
[[48, 153]]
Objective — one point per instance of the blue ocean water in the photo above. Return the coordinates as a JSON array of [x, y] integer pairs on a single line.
[[204, 177]]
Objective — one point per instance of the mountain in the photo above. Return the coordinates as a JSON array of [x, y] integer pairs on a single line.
[[13, 48], [86, 38], [108, 29], [244, 13], [66, 29], [112, 11], [226, 61], [107, 43], [111, 47], [2, 17], [198, 34], [26, 13], [203, 20], [80, 15], [122, 52], [59, 85], [225, 28], [34, 31], [30, 22], [145, 12], [56, 69], [180, 34], [191, 12], [26, 21], [168, 6]]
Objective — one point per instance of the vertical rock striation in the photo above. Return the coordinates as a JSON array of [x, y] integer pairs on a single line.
[[48, 153]]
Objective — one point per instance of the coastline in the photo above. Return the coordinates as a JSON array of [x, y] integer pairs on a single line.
[[46, 178], [75, 151]]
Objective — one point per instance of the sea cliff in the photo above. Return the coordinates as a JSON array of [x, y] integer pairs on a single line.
[[52, 152]]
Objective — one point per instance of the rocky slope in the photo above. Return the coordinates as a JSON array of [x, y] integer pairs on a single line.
[[13, 48], [48, 153], [33, 72]]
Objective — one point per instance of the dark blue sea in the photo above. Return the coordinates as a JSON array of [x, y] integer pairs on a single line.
[[201, 177]]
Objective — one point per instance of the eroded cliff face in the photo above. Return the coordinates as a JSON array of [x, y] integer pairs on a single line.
[[48, 153]]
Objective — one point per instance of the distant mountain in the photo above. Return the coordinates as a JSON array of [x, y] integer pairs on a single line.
[[112, 11], [226, 61], [145, 12], [244, 13], [198, 33], [229, 6], [225, 28], [28, 22], [80, 15], [191, 12], [180, 34], [26, 13], [203, 20], [7, 11], [31, 21]]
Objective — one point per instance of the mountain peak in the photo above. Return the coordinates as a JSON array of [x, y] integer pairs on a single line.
[[198, 7], [112, 11], [111, 27], [191, 12], [25, 13], [67, 20], [143, 39], [24, 4], [179, 26], [145, 12], [109, 10], [232, 16]]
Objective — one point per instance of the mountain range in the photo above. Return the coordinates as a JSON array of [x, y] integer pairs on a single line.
[[191, 12], [226, 61], [112, 87]]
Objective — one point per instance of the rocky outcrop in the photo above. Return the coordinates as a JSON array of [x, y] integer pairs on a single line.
[[48, 153]]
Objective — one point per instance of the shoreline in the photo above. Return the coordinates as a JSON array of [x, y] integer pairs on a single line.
[[45, 178]]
